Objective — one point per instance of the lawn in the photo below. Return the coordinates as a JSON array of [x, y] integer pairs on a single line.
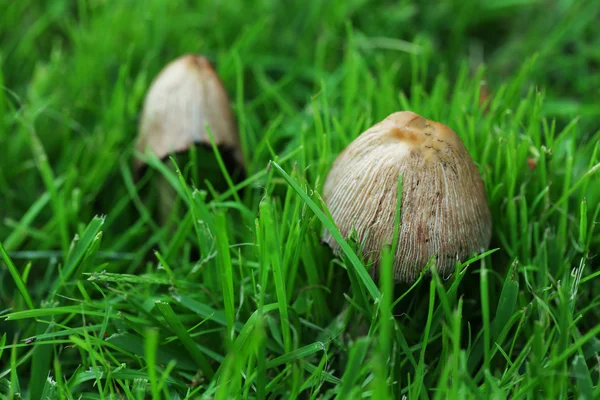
[[236, 296]]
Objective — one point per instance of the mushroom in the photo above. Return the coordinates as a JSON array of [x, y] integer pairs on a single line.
[[184, 97], [182, 100], [444, 211]]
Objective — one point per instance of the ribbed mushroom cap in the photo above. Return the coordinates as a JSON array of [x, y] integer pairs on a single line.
[[186, 96], [444, 209]]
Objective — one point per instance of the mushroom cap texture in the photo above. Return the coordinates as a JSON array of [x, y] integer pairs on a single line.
[[186, 96], [444, 209]]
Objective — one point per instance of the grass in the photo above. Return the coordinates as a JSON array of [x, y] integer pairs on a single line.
[[235, 297]]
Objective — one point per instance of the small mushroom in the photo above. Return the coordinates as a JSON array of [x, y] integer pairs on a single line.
[[444, 211], [183, 99], [186, 96]]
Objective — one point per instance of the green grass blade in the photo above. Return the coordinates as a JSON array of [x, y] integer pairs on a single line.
[[297, 354], [79, 250], [185, 338], [354, 366], [150, 346], [226, 273], [330, 226], [16, 277]]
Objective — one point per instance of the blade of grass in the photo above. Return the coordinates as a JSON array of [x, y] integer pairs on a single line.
[[150, 346], [330, 226], [78, 251], [297, 354], [185, 338], [16, 277], [226, 274], [354, 366]]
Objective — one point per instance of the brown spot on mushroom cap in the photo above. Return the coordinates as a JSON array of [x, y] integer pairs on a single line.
[[444, 209], [186, 96]]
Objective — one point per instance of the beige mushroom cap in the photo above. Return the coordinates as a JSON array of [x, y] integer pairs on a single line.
[[186, 96], [444, 209]]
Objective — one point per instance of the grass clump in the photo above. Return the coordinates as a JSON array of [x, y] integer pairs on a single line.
[[235, 297]]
